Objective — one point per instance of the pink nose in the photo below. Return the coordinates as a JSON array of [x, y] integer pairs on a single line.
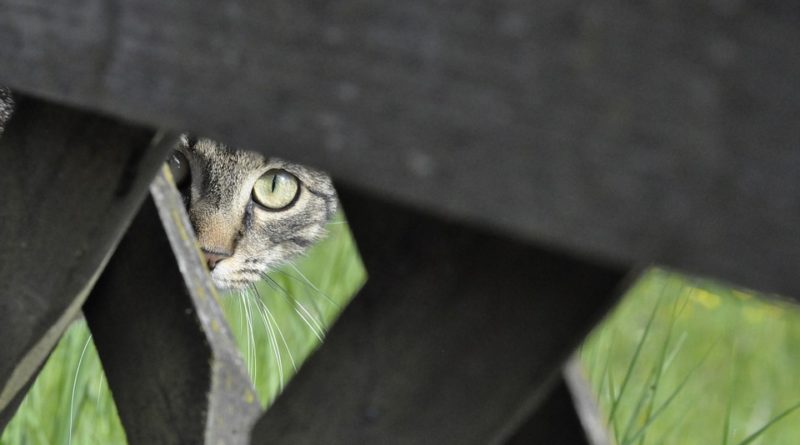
[[213, 258]]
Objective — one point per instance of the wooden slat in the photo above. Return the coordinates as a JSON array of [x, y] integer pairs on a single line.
[[171, 361], [554, 422], [569, 415], [450, 341], [70, 182], [586, 405], [630, 131]]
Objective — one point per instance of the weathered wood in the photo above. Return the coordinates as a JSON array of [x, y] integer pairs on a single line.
[[631, 131], [586, 406], [70, 182], [171, 361], [569, 415], [450, 341], [554, 422]]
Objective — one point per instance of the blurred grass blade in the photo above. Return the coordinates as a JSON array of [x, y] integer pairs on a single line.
[[644, 396], [671, 397], [612, 396], [647, 393], [764, 428], [726, 428], [604, 375], [665, 359], [633, 361]]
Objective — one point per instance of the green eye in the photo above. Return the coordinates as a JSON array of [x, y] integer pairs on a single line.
[[276, 189]]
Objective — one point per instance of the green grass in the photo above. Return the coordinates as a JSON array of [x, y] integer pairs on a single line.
[[320, 285], [692, 362], [678, 362], [44, 416], [300, 303]]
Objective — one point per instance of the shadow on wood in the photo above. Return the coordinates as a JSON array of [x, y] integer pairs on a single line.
[[70, 182], [450, 341], [171, 362], [632, 131], [569, 415]]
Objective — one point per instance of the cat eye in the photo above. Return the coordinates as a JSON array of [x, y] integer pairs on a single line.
[[276, 190], [179, 166]]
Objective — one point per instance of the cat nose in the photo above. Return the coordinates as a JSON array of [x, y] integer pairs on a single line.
[[213, 258]]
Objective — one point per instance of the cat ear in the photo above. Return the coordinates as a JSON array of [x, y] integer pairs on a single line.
[[188, 141]]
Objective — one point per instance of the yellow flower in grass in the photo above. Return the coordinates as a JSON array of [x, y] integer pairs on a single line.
[[757, 313], [753, 314], [705, 298]]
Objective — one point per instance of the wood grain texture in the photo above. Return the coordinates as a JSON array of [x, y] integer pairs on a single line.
[[70, 182], [631, 131], [453, 340], [169, 356]]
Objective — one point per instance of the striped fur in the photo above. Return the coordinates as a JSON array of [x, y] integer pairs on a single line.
[[227, 220]]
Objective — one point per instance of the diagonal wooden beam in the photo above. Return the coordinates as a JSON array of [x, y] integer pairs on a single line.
[[172, 365], [70, 182], [568, 415], [452, 340]]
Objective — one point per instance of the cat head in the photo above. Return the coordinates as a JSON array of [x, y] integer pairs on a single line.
[[250, 213]]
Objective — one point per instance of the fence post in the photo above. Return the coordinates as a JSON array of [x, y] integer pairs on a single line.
[[170, 359], [452, 339], [568, 415], [70, 182]]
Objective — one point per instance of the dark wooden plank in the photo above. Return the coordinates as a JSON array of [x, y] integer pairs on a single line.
[[70, 182], [631, 131], [554, 422], [569, 415], [171, 361], [586, 406], [450, 340]]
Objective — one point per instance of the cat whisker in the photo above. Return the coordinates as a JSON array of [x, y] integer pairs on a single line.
[[251, 296], [248, 304], [308, 283], [318, 316], [74, 385], [318, 331], [277, 326], [254, 342], [250, 337], [271, 334], [99, 392], [241, 317]]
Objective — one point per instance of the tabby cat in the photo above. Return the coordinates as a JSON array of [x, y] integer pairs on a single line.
[[250, 213]]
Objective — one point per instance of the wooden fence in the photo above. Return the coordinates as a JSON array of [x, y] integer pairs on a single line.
[[503, 166]]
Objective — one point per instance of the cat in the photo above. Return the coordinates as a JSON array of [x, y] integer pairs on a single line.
[[250, 213]]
